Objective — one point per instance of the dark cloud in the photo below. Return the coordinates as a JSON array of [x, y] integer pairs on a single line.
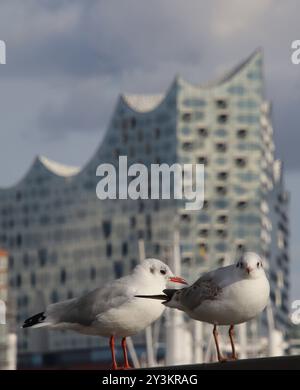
[[83, 53]]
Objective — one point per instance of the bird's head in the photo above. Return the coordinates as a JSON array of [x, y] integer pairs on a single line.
[[158, 273], [250, 266]]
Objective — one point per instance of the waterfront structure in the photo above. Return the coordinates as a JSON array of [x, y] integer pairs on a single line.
[[7, 328], [64, 241]]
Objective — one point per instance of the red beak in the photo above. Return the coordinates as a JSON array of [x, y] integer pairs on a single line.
[[177, 279], [248, 270]]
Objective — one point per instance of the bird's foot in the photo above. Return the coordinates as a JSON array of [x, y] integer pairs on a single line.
[[222, 359], [126, 367], [234, 357], [114, 367]]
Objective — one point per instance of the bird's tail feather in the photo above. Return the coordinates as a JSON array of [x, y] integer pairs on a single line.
[[36, 321], [160, 297], [166, 297]]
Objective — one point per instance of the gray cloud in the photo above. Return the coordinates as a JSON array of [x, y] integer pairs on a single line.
[[82, 54]]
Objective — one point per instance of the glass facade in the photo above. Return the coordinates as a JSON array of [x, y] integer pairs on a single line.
[[64, 241]]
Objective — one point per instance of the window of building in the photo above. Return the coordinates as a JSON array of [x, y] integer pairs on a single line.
[[204, 218], [116, 152], [220, 132], [221, 147], [32, 279], [148, 148], [205, 204], [222, 218], [141, 207], [203, 233], [185, 217], [106, 226], [63, 276], [221, 190], [42, 256], [125, 138], [124, 249], [241, 248], [221, 103], [203, 247], [157, 133], [222, 118], [133, 122], [186, 117], [133, 263], [240, 162], [157, 249], [108, 249], [118, 269], [221, 203], [194, 102], [241, 133], [202, 160], [19, 280], [131, 152], [93, 273], [221, 233], [54, 297], [221, 247], [187, 146], [18, 196], [203, 132], [132, 222], [222, 175], [241, 204], [140, 136]]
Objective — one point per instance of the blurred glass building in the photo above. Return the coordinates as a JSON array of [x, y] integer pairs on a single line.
[[63, 241]]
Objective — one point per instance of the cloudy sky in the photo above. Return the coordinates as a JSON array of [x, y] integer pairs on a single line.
[[67, 60]]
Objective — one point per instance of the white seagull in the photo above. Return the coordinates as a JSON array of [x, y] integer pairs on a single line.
[[226, 296], [112, 310]]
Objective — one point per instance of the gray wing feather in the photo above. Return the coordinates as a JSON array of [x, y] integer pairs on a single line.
[[207, 287], [83, 310]]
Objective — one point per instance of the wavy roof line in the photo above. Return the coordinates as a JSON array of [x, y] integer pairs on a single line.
[[143, 103], [58, 168], [140, 104]]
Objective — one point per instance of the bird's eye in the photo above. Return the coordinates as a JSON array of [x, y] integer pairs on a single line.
[[258, 264], [163, 271]]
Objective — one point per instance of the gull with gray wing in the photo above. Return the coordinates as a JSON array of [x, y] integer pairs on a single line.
[[112, 310], [226, 296]]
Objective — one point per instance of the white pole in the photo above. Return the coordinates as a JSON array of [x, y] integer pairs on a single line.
[[242, 332], [197, 342], [132, 352], [178, 340], [208, 352], [148, 331]]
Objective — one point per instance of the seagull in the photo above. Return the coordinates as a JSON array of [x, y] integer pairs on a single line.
[[112, 310], [228, 295]]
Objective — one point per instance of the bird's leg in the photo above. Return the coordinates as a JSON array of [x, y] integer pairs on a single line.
[[113, 354], [215, 333], [231, 334], [126, 363]]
